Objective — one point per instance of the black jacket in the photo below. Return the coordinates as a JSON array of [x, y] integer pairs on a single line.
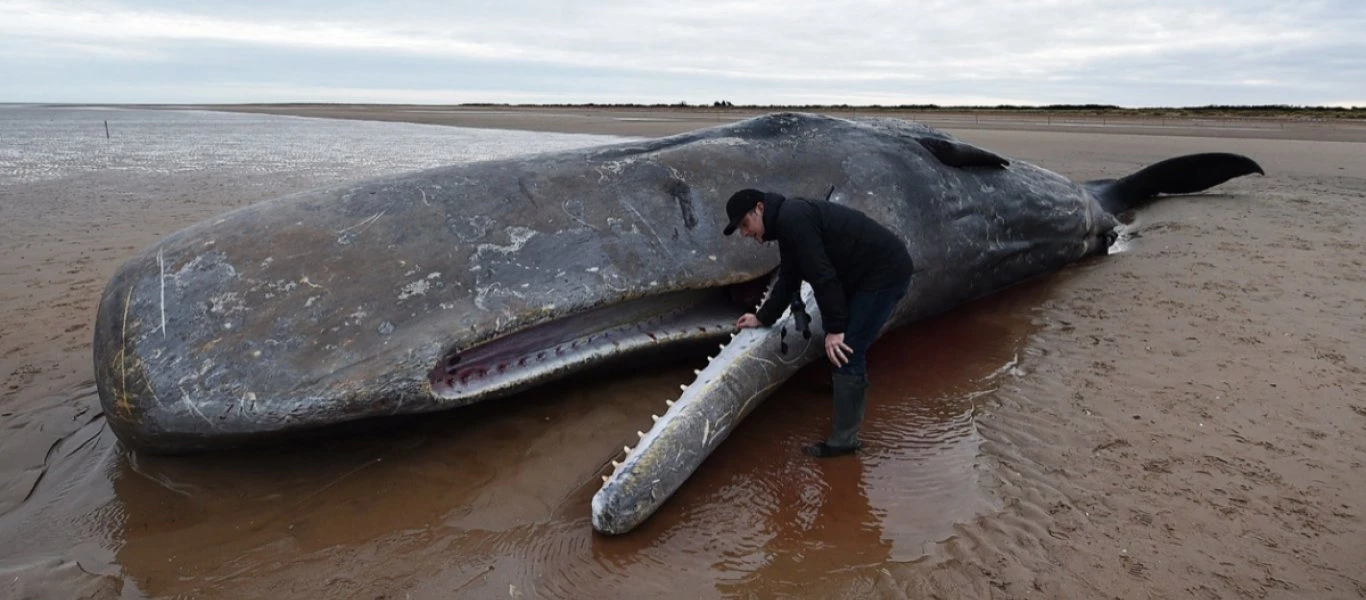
[[837, 249]]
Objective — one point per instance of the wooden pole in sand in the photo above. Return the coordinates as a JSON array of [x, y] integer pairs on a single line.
[[106, 129]]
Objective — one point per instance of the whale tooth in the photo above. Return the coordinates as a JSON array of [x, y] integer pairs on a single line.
[[654, 418], [626, 449], [732, 336], [616, 465], [604, 479], [640, 434], [683, 386], [669, 402], [723, 346], [697, 371], [711, 358]]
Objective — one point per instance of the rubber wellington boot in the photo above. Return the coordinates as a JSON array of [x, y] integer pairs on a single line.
[[851, 396]]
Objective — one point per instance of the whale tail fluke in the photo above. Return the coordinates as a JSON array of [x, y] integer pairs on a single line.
[[1181, 175]]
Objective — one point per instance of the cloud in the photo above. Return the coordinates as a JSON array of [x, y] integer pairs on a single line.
[[1042, 51]]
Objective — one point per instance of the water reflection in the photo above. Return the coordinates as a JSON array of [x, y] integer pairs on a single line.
[[824, 526]]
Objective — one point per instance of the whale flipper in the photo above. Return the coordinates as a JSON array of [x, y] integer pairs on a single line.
[[960, 155]]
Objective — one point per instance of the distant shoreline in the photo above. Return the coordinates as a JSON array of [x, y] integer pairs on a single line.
[[1309, 124], [654, 121], [1267, 110]]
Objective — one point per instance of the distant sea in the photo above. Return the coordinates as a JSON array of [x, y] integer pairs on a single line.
[[40, 143]]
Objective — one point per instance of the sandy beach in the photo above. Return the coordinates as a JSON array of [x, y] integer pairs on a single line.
[[660, 121], [1185, 418]]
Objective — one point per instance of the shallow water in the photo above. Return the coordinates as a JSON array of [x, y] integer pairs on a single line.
[[493, 499], [38, 144]]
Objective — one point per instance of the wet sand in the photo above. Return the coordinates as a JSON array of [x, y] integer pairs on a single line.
[[1186, 418]]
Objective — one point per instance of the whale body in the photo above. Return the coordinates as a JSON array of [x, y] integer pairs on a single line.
[[445, 287]]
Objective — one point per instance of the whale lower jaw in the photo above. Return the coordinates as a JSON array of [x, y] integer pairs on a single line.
[[733, 383]]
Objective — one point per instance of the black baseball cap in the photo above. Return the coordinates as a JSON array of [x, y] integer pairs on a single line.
[[739, 205]]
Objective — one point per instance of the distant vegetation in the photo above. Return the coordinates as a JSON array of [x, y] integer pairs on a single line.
[[1213, 110]]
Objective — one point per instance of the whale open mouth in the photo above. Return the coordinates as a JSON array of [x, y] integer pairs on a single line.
[[524, 358]]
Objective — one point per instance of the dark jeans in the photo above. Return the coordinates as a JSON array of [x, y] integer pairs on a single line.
[[868, 312]]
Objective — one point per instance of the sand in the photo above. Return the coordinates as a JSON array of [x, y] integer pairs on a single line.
[[1186, 418]]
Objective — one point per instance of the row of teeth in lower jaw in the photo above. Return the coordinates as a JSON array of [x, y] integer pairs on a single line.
[[626, 450], [654, 419]]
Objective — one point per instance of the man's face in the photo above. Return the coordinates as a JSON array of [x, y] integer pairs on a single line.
[[753, 223]]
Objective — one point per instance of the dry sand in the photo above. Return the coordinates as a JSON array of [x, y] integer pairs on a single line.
[[1186, 418]]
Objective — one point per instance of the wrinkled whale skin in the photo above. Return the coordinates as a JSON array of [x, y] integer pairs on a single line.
[[439, 288], [334, 305]]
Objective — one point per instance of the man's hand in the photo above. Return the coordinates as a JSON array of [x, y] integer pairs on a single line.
[[837, 350], [747, 320]]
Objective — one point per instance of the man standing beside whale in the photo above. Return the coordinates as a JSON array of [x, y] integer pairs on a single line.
[[858, 271]]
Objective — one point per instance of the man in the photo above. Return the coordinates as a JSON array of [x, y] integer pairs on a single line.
[[859, 271]]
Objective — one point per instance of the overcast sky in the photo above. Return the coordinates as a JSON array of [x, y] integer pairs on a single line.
[[948, 52]]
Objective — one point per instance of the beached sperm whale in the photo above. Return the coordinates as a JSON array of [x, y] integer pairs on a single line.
[[449, 286]]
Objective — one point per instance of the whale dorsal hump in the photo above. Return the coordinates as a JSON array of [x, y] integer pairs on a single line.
[[959, 155]]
